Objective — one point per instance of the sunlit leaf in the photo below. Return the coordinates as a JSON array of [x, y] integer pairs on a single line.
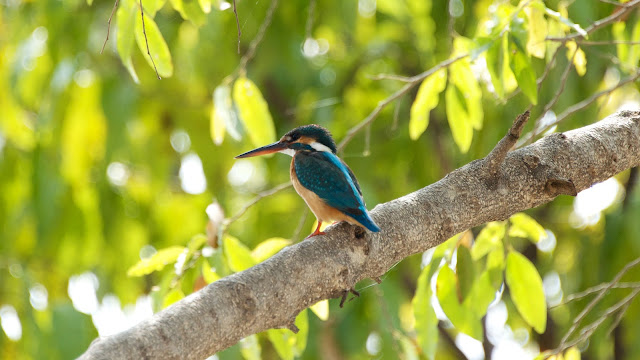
[[151, 7], [481, 294], [488, 239], [558, 17], [465, 270], [426, 322], [173, 296], [523, 71], [620, 35], [223, 115], [496, 57], [461, 129], [157, 46], [495, 266], [524, 226], [156, 262], [205, 5], [526, 290], [268, 248], [321, 309], [287, 344], [254, 112], [191, 10], [634, 51], [409, 349], [572, 353], [426, 100], [250, 348], [579, 59], [463, 318], [208, 273], [238, 254], [126, 20], [537, 28]]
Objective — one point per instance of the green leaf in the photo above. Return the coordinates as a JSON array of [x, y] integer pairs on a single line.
[[481, 294], [151, 7], [496, 57], [573, 353], [223, 115], [495, 266], [619, 35], [190, 10], [208, 273], [523, 71], [287, 344], [157, 262], [126, 19], [579, 59], [489, 238], [321, 309], [268, 248], [426, 100], [463, 318], [524, 226], [157, 46], [250, 348], [465, 270], [457, 117], [426, 322], [238, 255], [173, 296], [254, 112], [526, 290], [537, 29], [409, 348], [558, 17]]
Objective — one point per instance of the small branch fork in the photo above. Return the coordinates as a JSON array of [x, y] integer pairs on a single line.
[[147, 41], [115, 6], [499, 152]]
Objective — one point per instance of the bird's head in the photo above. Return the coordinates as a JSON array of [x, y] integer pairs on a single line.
[[304, 138]]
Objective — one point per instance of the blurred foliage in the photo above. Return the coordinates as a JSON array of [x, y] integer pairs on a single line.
[[106, 172]]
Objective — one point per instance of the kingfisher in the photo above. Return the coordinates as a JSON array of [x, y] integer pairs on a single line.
[[320, 177]]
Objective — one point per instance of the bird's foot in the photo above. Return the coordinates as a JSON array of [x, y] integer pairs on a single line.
[[315, 233], [345, 293]]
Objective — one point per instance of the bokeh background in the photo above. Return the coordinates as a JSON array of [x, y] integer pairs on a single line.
[[109, 177]]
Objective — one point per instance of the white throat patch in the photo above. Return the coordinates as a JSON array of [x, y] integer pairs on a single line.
[[320, 147], [289, 152]]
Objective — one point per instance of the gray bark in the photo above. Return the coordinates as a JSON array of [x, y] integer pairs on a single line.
[[271, 294]]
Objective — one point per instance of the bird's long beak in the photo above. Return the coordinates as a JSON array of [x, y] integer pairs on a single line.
[[267, 149]]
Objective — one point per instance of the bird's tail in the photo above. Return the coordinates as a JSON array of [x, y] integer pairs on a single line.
[[365, 220]]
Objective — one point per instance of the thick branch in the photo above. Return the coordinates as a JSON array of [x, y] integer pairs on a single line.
[[270, 294]]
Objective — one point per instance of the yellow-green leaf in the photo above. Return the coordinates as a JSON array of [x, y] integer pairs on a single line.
[[465, 270], [426, 322], [238, 254], [156, 262], [191, 10], [126, 19], [457, 117], [558, 17], [250, 348], [579, 59], [537, 28], [634, 51], [462, 317], [224, 115], [157, 46], [268, 248], [619, 35], [489, 238], [254, 112], [287, 344], [496, 57], [172, 297], [208, 273], [572, 354], [523, 71], [321, 309], [524, 226], [526, 290], [426, 100], [481, 294]]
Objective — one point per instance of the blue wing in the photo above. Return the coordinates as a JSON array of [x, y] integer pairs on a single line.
[[328, 177]]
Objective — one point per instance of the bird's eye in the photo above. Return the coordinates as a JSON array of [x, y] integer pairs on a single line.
[[294, 137]]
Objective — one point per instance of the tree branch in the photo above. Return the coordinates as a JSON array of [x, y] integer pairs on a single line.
[[272, 293]]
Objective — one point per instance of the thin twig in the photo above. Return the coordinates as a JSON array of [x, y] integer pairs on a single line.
[[600, 43], [235, 12], [310, 14], [415, 80], [626, 7], [144, 32], [256, 41], [579, 106], [594, 302], [390, 77], [499, 152], [595, 289], [253, 201], [115, 6]]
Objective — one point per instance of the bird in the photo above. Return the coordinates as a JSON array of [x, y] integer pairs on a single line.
[[320, 177]]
